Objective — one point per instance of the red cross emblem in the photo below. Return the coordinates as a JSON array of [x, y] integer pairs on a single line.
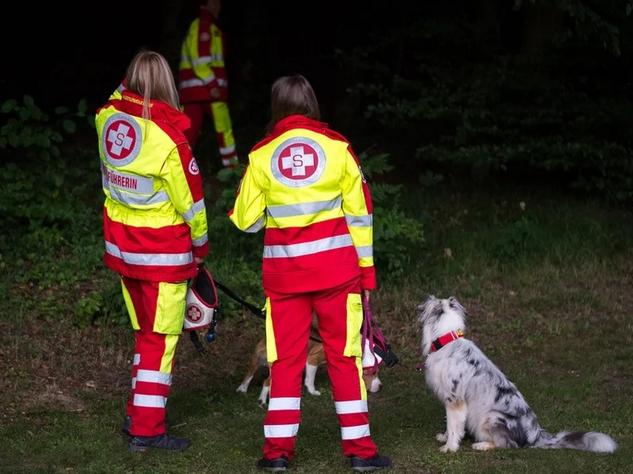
[[298, 161], [121, 139], [194, 314]]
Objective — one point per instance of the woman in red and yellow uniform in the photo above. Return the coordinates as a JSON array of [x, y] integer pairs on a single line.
[[304, 185], [202, 80], [155, 229]]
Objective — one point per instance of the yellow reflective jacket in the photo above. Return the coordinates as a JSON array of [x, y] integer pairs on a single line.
[[304, 184], [154, 216], [202, 61]]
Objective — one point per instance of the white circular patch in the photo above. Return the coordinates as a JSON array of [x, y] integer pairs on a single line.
[[194, 313], [121, 139], [193, 167], [298, 162], [205, 36]]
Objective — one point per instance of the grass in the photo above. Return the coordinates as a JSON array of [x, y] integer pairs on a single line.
[[547, 287]]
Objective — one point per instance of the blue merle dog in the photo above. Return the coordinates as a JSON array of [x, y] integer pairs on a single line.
[[478, 397]]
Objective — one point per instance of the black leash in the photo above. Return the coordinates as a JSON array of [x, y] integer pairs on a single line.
[[256, 311]]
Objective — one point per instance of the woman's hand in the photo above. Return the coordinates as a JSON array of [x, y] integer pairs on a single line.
[[366, 294]]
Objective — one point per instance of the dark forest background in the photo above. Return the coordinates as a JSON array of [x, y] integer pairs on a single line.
[[485, 90]]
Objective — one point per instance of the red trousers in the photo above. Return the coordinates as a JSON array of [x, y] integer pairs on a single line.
[[154, 309], [288, 320], [219, 113]]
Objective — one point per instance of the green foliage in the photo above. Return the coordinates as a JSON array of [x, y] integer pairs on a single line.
[[394, 232], [43, 192], [487, 113]]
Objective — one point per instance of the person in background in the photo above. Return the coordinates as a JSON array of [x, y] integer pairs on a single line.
[[202, 80], [304, 185], [155, 230]]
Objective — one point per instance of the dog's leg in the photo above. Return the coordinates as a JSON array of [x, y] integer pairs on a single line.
[[309, 379], [441, 437], [263, 395], [249, 375], [456, 414], [483, 446]]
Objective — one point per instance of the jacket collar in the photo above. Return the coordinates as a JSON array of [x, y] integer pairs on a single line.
[[132, 104], [206, 15], [297, 121]]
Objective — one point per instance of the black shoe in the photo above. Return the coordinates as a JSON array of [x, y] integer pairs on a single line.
[[140, 444], [127, 424], [371, 464], [273, 465]]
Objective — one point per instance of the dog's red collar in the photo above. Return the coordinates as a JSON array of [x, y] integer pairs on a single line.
[[441, 341]]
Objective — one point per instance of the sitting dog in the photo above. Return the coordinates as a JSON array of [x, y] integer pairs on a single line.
[[478, 397], [316, 357]]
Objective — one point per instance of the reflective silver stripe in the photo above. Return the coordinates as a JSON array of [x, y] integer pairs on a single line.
[[227, 149], [153, 376], [227, 161], [201, 240], [202, 60], [209, 79], [190, 83], [284, 403], [197, 207], [307, 248], [166, 259], [150, 401], [137, 199], [359, 221], [354, 432], [304, 208], [199, 82], [353, 406], [365, 251], [256, 226], [137, 359], [281, 431], [121, 88]]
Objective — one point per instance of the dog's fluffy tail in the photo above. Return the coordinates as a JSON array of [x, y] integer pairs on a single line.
[[582, 440]]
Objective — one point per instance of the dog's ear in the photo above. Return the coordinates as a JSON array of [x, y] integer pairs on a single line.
[[453, 303], [423, 309]]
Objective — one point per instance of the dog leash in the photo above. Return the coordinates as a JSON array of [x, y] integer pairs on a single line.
[[260, 313], [256, 311], [377, 343]]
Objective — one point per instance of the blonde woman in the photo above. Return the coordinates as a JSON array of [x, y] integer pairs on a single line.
[[155, 230]]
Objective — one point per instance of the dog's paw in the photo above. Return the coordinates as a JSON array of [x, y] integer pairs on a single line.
[[448, 448], [441, 437], [261, 403], [313, 391], [241, 389], [483, 446]]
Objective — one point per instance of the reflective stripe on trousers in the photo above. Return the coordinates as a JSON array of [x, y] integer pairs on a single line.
[[153, 357], [339, 315]]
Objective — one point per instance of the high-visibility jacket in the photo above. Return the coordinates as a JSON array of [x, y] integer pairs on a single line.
[[202, 61], [154, 216], [304, 184]]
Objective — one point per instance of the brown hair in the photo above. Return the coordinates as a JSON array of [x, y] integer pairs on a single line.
[[150, 76], [292, 95]]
